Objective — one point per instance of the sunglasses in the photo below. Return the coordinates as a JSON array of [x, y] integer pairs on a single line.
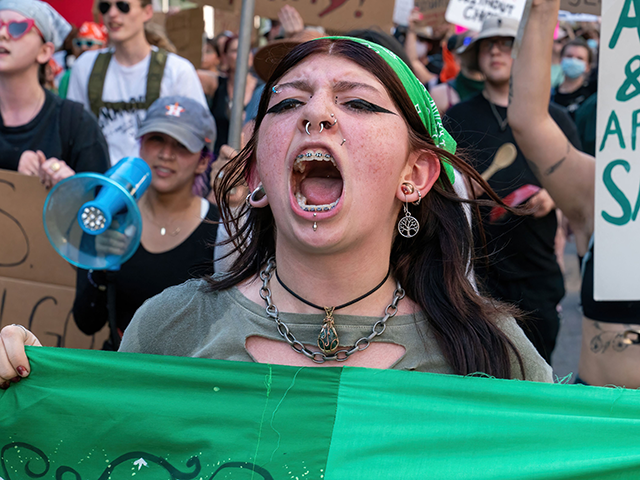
[[86, 42], [503, 44], [19, 28], [104, 7]]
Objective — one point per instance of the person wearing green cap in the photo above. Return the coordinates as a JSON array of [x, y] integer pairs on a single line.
[[355, 248]]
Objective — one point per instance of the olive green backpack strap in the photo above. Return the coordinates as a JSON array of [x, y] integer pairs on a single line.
[[96, 82], [154, 77]]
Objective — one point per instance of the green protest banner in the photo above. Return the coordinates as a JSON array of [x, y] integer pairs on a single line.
[[102, 415]]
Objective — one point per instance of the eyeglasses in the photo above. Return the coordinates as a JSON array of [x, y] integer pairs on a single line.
[[19, 28], [504, 44], [86, 42], [104, 7]]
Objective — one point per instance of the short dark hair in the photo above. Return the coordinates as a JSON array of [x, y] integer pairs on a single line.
[[578, 42]]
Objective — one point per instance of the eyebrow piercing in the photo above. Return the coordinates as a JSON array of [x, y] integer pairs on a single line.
[[274, 89]]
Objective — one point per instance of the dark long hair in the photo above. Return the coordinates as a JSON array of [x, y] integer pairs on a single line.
[[433, 267]]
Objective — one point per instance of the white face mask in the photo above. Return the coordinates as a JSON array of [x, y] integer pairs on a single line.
[[421, 49]]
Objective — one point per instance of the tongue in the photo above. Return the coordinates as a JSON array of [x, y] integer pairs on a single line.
[[321, 190]]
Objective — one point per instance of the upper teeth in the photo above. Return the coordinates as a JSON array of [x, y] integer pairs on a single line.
[[312, 156]]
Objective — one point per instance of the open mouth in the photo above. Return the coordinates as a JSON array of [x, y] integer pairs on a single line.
[[316, 181], [3, 50]]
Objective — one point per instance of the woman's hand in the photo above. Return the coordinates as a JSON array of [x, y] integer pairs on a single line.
[[112, 242], [541, 204], [30, 162], [290, 20], [14, 364], [53, 170]]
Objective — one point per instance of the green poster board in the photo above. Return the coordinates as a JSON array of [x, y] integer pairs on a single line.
[[99, 415]]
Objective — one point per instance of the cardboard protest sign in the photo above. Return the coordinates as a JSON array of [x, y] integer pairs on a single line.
[[617, 226], [592, 7], [185, 29], [471, 13], [37, 286], [227, 5], [334, 15], [433, 11], [108, 415]]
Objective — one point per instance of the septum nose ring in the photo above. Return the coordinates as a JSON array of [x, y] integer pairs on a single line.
[[322, 124], [329, 125]]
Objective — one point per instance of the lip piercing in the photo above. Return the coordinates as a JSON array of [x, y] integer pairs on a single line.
[[315, 226], [306, 127]]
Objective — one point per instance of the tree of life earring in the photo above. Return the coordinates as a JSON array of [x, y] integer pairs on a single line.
[[408, 226]]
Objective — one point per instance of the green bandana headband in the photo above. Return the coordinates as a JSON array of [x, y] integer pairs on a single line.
[[425, 106]]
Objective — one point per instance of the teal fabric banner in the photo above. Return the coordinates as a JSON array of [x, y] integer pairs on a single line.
[[102, 415]]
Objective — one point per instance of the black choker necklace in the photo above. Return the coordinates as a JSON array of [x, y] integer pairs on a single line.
[[328, 340]]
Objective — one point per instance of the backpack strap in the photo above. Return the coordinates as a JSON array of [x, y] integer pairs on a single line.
[[154, 76], [96, 82], [70, 116]]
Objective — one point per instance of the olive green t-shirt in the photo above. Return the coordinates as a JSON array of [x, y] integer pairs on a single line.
[[191, 321]]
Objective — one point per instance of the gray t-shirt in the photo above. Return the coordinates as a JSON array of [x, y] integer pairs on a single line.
[[189, 320]]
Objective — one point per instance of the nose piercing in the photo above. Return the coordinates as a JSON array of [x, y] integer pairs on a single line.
[[306, 127], [321, 126]]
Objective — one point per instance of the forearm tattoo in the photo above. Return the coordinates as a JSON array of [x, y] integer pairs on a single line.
[[559, 163]]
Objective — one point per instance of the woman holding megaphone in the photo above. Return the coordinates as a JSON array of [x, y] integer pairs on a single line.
[[355, 247], [178, 228]]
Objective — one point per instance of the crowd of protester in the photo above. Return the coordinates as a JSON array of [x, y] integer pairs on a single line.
[[117, 88]]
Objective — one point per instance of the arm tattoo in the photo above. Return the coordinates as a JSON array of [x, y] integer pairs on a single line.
[[559, 163]]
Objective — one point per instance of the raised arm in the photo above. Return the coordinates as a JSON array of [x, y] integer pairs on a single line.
[[410, 46], [566, 173]]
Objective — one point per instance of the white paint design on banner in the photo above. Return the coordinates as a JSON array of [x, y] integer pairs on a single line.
[[471, 13], [617, 222]]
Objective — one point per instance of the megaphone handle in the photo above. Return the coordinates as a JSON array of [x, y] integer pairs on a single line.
[[111, 308]]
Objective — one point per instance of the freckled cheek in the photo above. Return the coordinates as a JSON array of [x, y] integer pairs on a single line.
[[381, 153], [271, 151]]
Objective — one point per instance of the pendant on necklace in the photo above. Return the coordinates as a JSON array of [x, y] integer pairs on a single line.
[[328, 340], [163, 231]]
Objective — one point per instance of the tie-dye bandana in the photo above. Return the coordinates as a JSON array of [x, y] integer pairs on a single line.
[[424, 104]]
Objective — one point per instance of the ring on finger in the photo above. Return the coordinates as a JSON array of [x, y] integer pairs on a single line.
[[22, 327], [55, 166]]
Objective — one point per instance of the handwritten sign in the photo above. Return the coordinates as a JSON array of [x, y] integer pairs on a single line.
[[37, 286], [185, 29], [471, 13], [228, 5], [336, 15], [433, 11], [592, 7], [617, 226]]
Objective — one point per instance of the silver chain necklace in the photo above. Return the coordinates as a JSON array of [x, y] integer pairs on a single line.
[[320, 357]]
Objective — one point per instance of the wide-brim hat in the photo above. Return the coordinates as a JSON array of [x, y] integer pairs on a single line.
[[268, 57], [491, 27]]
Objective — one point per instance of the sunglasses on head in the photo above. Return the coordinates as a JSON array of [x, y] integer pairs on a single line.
[[86, 42], [104, 7], [19, 28]]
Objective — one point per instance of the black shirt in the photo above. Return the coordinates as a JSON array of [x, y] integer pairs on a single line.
[[85, 149], [572, 101], [143, 276], [520, 248], [604, 311]]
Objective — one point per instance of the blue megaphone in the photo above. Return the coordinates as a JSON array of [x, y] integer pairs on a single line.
[[82, 212]]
